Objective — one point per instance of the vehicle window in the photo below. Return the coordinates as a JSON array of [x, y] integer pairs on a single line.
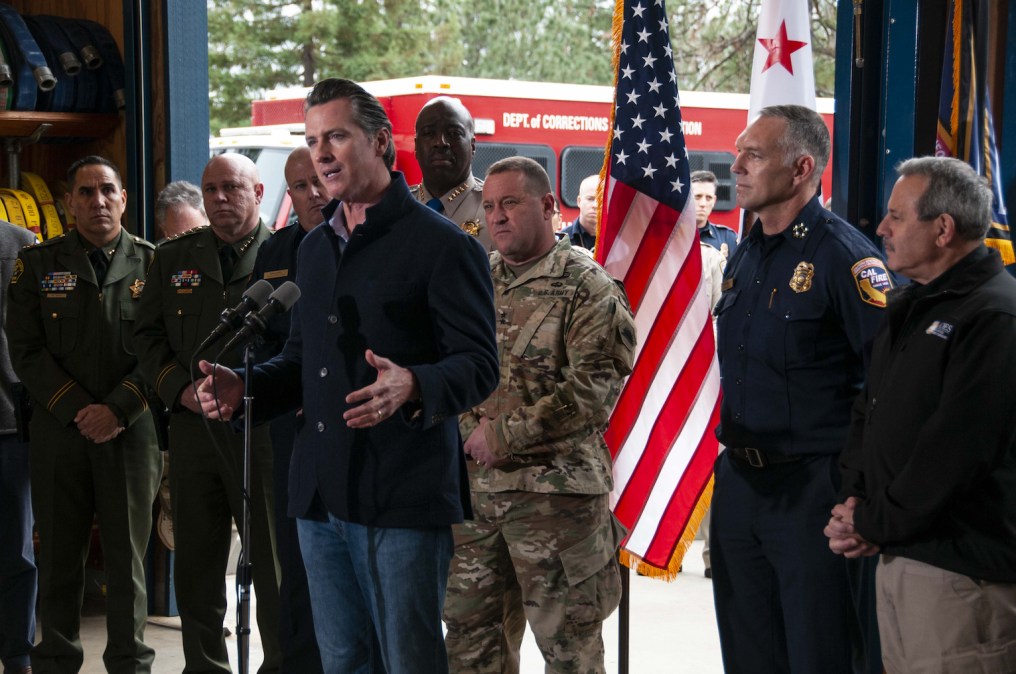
[[488, 153]]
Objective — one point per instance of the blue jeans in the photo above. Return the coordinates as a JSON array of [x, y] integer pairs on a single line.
[[377, 595], [17, 558]]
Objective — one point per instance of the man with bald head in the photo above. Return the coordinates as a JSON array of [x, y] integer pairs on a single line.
[[582, 232], [191, 280], [276, 263], [445, 145]]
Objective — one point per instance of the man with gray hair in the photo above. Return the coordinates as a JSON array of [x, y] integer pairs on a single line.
[[179, 208], [802, 297], [929, 475]]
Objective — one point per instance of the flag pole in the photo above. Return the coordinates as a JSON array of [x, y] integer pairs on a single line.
[[623, 616]]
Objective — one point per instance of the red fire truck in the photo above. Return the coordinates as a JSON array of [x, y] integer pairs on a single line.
[[565, 127]]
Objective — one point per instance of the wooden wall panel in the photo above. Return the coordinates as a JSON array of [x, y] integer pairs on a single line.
[[158, 94]]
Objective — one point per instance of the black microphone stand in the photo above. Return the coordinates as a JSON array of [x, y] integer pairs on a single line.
[[243, 567]]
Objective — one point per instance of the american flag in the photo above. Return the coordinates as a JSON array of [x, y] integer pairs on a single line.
[[661, 430]]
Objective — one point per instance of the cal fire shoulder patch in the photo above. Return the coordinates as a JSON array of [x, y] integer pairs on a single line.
[[873, 281]]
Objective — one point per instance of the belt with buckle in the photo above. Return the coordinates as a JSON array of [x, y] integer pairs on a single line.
[[758, 458]]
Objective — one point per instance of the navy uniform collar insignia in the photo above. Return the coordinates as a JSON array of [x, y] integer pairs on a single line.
[[800, 282], [800, 230]]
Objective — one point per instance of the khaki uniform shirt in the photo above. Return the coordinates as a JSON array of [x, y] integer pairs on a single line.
[[463, 206]]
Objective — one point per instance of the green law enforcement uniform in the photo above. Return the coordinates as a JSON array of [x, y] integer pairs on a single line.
[[566, 341], [71, 342], [464, 206], [181, 305]]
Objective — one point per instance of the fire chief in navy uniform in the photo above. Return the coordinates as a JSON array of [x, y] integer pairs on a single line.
[[802, 297]]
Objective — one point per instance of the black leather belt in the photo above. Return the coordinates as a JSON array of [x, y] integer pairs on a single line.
[[758, 458]]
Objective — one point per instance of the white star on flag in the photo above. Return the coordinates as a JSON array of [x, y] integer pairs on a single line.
[[660, 433], [777, 85]]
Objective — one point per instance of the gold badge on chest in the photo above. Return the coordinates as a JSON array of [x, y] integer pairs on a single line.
[[471, 227], [800, 282], [136, 288]]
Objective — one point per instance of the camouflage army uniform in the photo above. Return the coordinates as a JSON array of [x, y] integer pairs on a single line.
[[463, 206], [542, 522]]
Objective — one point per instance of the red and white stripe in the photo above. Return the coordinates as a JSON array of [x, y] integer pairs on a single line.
[[661, 430]]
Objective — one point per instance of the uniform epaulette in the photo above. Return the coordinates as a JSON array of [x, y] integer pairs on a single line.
[[141, 241], [181, 235], [47, 242]]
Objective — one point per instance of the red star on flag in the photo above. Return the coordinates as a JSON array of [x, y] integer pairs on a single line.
[[780, 48]]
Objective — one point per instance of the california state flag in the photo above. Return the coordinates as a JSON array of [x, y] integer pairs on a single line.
[[783, 71]]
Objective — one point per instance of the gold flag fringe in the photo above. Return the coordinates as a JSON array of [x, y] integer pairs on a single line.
[[1004, 248], [669, 573]]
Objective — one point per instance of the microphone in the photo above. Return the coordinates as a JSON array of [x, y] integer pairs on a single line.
[[281, 301], [230, 319]]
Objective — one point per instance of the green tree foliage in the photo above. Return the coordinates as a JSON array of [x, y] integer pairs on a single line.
[[258, 45], [250, 49], [715, 44]]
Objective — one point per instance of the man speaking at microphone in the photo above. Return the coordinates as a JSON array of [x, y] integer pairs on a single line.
[[193, 278], [392, 338]]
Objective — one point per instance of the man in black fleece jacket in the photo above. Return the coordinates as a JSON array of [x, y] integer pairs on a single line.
[[929, 471]]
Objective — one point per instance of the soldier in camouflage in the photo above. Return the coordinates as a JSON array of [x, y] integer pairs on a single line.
[[540, 472]]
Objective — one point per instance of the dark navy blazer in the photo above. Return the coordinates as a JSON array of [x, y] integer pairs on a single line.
[[414, 288]]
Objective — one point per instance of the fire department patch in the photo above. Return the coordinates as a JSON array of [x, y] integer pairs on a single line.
[[873, 281], [58, 281], [185, 278]]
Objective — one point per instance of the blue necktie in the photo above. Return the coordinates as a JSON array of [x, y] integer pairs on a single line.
[[436, 204]]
